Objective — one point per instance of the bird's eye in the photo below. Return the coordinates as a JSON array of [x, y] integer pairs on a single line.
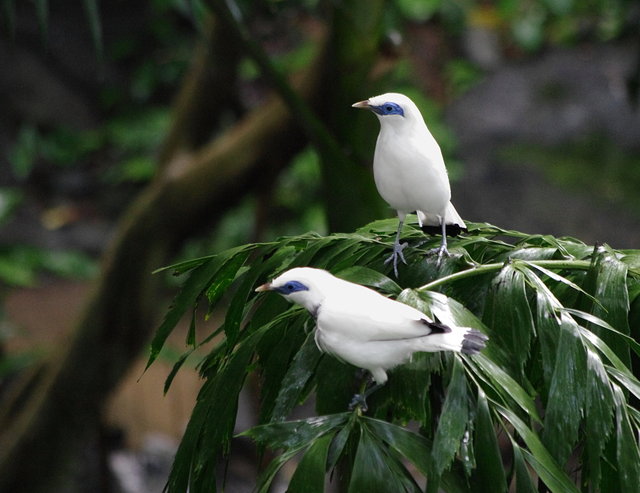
[[389, 108], [291, 287]]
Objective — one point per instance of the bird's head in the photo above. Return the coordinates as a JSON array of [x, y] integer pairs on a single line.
[[305, 286], [391, 107]]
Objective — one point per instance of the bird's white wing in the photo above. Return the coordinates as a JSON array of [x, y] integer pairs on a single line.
[[360, 313]]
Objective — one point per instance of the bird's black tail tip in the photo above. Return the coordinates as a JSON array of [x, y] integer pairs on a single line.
[[474, 341]]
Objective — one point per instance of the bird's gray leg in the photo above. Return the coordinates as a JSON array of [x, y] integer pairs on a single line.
[[442, 249], [397, 250], [443, 244], [360, 400]]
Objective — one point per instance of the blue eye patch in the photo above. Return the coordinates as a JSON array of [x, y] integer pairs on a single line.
[[291, 287], [388, 109]]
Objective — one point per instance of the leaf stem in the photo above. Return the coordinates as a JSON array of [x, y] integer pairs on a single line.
[[483, 269]]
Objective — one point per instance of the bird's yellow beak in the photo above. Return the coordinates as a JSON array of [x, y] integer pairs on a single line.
[[361, 104], [264, 287]]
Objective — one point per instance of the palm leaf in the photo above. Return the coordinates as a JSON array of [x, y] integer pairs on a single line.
[[555, 377]]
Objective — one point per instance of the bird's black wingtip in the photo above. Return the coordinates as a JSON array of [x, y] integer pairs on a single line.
[[436, 328], [474, 341]]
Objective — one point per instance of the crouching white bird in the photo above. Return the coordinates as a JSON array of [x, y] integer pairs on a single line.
[[362, 327], [409, 170]]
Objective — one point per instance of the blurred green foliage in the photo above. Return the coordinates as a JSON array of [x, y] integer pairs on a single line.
[[10, 199], [20, 265], [530, 24], [130, 140]]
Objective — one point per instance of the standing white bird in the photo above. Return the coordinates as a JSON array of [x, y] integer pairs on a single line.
[[362, 327], [409, 170]]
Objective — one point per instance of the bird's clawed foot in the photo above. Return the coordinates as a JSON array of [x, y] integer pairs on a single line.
[[359, 400], [397, 254], [441, 251]]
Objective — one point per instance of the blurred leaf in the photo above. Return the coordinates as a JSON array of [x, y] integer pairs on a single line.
[[133, 170], [556, 277], [139, 131], [340, 444], [406, 395], [539, 457], [619, 371], [503, 384], [462, 75], [15, 273], [310, 473], [295, 434], [211, 424], [42, 14], [628, 456], [528, 27], [524, 483], [547, 322], [375, 471], [191, 333], [371, 278], [199, 12], [508, 313], [225, 276], [192, 288], [610, 291], [490, 471], [240, 303], [452, 421], [20, 265], [69, 263], [632, 260], [14, 363], [296, 378], [174, 370], [22, 156], [413, 447], [419, 10], [620, 337], [598, 413], [336, 383], [559, 7], [275, 353], [564, 409], [95, 24]]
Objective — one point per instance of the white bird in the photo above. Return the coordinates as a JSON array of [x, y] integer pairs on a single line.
[[364, 328], [409, 170]]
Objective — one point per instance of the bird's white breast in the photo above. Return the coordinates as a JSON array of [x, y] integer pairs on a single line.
[[409, 170]]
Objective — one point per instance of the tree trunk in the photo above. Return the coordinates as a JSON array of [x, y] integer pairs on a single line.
[[350, 194], [66, 401]]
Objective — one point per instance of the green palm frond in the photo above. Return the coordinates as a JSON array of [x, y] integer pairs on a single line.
[[551, 401]]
